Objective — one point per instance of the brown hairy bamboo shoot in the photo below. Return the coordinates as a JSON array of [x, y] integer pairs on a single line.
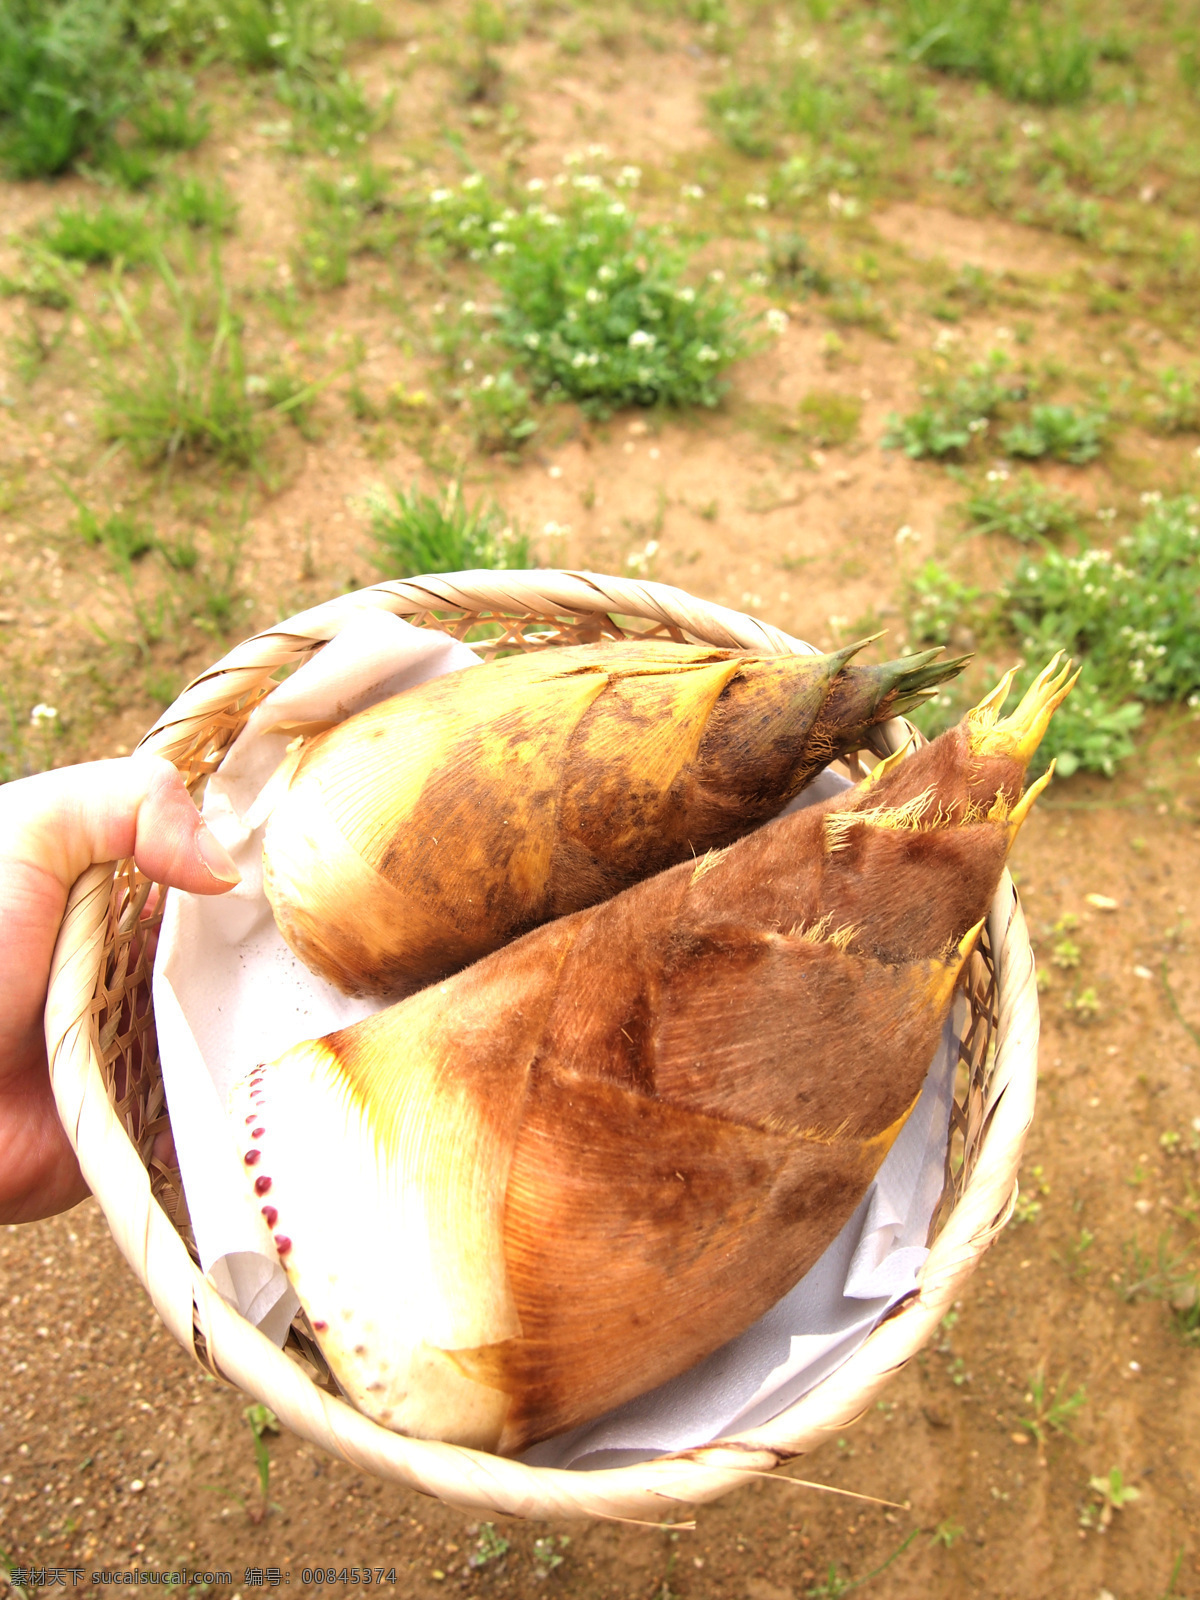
[[462, 813]]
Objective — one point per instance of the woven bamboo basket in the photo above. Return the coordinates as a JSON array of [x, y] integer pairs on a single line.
[[104, 1065]]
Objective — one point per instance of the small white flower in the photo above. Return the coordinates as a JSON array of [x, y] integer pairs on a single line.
[[472, 180], [1002, 334], [488, 381], [997, 475], [504, 247], [42, 715], [616, 209], [277, 40], [556, 530], [906, 535], [607, 273], [629, 177], [757, 202], [707, 353], [1151, 497], [468, 365], [639, 339], [777, 320], [692, 191], [686, 295], [594, 296], [468, 308], [536, 185], [532, 341], [716, 276], [438, 197], [555, 471]]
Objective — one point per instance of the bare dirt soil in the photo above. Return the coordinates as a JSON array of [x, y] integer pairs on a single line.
[[117, 1453]]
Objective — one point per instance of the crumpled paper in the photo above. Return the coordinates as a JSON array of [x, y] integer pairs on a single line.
[[228, 993]]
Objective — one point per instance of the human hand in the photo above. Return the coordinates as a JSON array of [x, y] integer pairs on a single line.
[[53, 827]]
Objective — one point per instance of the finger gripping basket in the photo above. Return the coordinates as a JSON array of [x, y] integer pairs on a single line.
[[104, 1065]]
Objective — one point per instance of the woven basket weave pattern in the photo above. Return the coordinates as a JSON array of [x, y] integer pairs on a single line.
[[104, 1063]]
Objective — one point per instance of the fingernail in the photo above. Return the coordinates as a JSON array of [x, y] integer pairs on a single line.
[[215, 857]]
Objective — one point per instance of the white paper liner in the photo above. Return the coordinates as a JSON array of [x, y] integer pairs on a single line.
[[228, 994]]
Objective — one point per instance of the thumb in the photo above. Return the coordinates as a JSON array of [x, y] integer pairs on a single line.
[[61, 822]]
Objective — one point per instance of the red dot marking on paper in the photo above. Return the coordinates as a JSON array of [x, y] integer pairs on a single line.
[[261, 1185], [251, 1118], [320, 1327], [257, 1133], [271, 1215], [251, 1157], [282, 1243]]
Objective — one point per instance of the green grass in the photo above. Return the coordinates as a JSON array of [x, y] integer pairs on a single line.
[[45, 279], [415, 532], [1059, 432], [124, 537], [64, 81], [743, 113], [790, 263], [1026, 51], [186, 396], [1023, 509], [1165, 1276], [958, 414], [190, 202], [936, 603], [1052, 1413], [99, 235], [289, 394], [330, 110], [501, 419], [1130, 617], [828, 419], [600, 310], [1175, 405], [597, 306], [349, 215], [167, 118]]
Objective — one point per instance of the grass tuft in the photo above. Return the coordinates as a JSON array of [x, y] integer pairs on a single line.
[[1060, 432], [1130, 617], [417, 532], [959, 414], [64, 81], [1024, 510], [189, 397], [1023, 53], [167, 118], [98, 236], [191, 203]]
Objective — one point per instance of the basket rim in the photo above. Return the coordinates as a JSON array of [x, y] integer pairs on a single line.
[[238, 1351]]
